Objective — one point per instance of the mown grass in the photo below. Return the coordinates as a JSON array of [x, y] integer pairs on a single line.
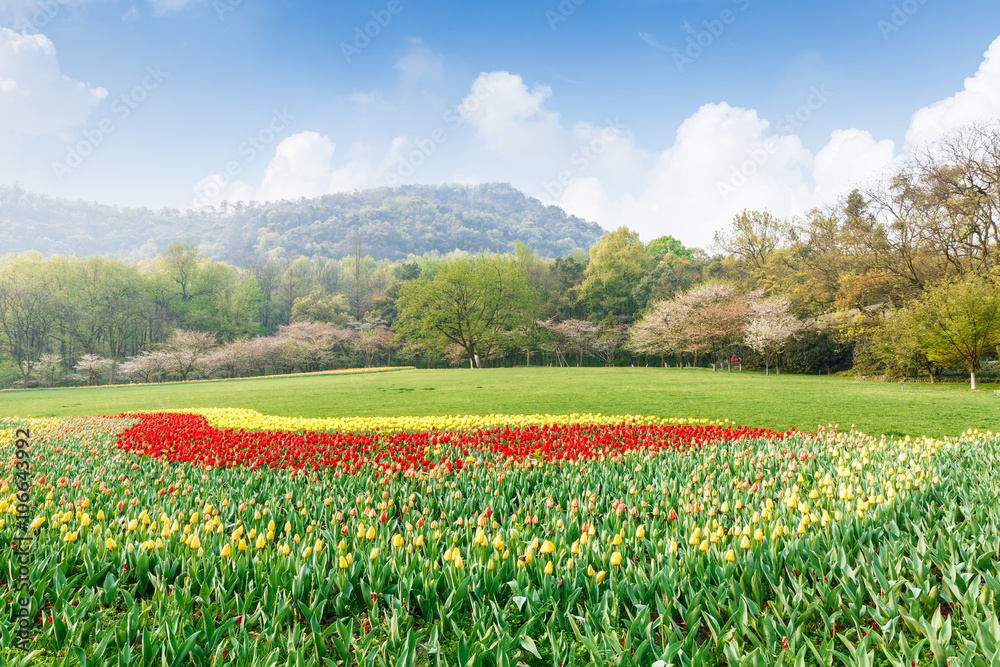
[[779, 402]]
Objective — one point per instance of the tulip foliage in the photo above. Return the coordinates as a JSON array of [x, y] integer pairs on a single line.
[[226, 537]]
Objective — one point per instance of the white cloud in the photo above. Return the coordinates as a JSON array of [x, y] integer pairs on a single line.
[[510, 117], [978, 101], [301, 167], [419, 64], [305, 165], [851, 157], [723, 158], [36, 98]]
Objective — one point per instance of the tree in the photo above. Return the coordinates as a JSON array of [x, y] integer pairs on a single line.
[[468, 302], [664, 330], [769, 327], [321, 307], [717, 317], [311, 346], [894, 345], [607, 341], [958, 321], [28, 315], [666, 245], [569, 336], [186, 353], [181, 263], [93, 367], [754, 235], [618, 262]]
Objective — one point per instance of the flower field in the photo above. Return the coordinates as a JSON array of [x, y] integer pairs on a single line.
[[228, 537]]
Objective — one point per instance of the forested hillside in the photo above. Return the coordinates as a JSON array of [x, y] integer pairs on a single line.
[[393, 223]]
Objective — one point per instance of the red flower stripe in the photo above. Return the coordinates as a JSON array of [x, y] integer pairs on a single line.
[[190, 438]]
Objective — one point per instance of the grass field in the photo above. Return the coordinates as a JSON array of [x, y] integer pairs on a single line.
[[779, 402]]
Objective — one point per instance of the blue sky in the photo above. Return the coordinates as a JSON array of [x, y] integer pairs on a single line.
[[666, 116]]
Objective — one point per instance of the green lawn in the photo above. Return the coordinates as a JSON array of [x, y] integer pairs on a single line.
[[748, 398]]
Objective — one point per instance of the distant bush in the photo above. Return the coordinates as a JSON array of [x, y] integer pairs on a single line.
[[816, 352]]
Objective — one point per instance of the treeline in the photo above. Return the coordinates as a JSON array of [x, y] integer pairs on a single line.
[[896, 280], [395, 223]]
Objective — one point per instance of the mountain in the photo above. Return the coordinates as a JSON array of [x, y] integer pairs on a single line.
[[392, 223]]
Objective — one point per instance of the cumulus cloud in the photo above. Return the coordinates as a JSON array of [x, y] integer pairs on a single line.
[[978, 101], [36, 98], [851, 157], [723, 158], [304, 165], [419, 64]]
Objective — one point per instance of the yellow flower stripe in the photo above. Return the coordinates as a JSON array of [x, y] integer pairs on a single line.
[[252, 420]]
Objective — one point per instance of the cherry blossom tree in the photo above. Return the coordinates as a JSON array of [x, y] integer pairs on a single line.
[[769, 328]]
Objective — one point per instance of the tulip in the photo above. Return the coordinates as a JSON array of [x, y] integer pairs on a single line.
[[616, 558]]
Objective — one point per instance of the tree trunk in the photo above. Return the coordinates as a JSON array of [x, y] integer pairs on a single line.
[[972, 376], [767, 368]]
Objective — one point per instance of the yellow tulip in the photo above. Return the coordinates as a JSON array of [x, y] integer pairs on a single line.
[[600, 576], [616, 559], [110, 544], [225, 551]]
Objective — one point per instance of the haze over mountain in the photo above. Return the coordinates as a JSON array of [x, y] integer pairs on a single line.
[[391, 222]]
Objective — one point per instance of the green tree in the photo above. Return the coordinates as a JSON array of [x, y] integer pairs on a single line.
[[469, 302], [618, 263], [959, 322], [666, 245]]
